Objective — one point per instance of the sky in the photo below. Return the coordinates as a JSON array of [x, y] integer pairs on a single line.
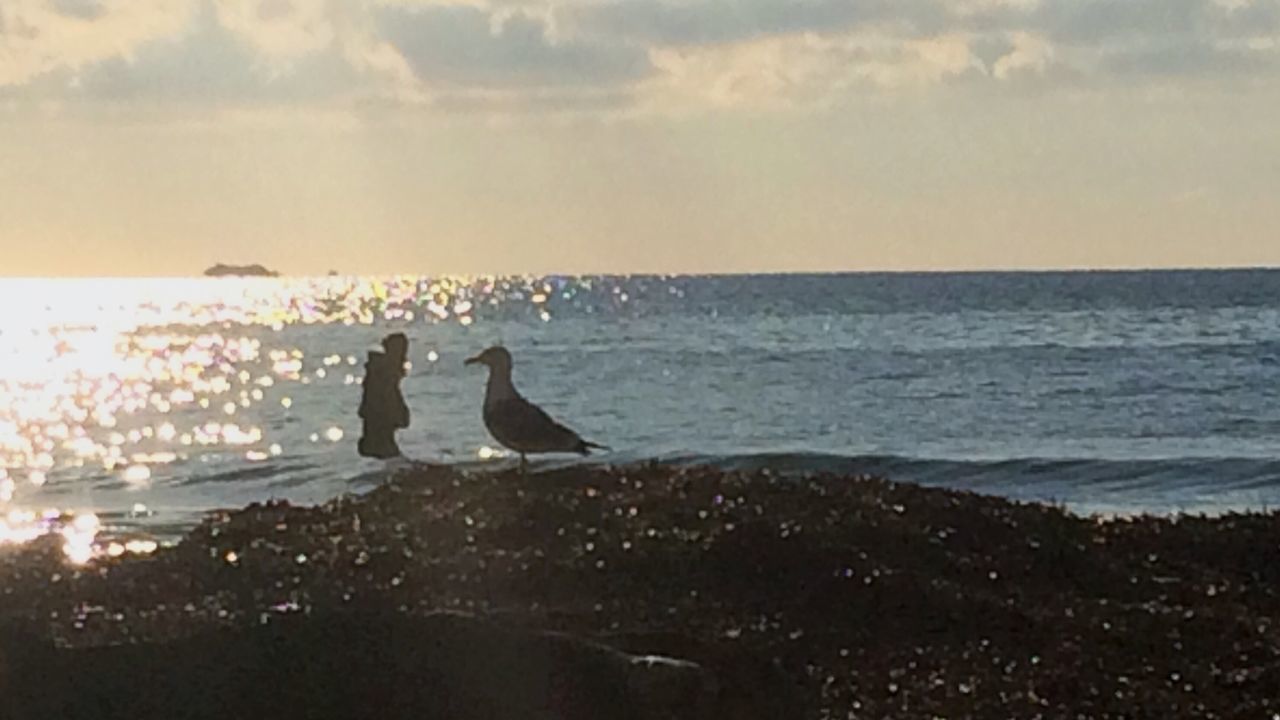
[[157, 137]]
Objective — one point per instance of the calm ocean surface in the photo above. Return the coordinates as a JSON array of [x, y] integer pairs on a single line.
[[149, 402]]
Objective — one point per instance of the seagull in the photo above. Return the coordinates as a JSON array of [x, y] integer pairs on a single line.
[[518, 424]]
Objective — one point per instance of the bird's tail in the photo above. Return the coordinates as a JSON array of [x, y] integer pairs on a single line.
[[586, 446]]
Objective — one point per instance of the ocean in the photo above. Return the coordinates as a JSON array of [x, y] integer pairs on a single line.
[[142, 404]]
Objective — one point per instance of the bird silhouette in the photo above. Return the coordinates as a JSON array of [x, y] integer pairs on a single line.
[[518, 424]]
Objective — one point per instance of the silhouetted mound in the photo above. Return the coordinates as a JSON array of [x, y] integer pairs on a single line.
[[353, 665], [255, 270], [821, 597]]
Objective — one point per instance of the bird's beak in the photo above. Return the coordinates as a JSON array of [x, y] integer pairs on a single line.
[[472, 361]]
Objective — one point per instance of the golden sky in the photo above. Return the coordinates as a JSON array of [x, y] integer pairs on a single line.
[[156, 137]]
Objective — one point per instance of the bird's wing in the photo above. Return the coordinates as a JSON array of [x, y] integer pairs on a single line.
[[520, 423]]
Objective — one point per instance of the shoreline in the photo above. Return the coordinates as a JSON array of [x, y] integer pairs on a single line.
[[867, 596], [1021, 480]]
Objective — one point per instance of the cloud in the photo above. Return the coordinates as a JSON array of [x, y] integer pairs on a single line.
[[1185, 60], [1129, 41], [1027, 53], [211, 62], [551, 101], [593, 56], [804, 69], [459, 46], [38, 37], [736, 53], [280, 28], [1094, 22], [703, 23], [205, 51], [1250, 18], [83, 9]]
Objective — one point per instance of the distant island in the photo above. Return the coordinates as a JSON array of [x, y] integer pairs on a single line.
[[221, 270]]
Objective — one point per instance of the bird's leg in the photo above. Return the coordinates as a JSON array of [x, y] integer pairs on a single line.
[[524, 464]]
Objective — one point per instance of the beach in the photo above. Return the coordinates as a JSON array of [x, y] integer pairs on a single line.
[[639, 360], [814, 596]]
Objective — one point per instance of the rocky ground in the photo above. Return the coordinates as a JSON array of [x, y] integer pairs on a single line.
[[820, 597]]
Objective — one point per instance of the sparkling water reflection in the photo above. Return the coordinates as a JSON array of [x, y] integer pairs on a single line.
[[188, 394], [121, 385]]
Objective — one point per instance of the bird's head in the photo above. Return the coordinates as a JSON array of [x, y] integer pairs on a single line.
[[496, 358]]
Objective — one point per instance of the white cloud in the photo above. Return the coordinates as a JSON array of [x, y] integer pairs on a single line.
[[214, 52], [585, 55], [1029, 52], [280, 29], [39, 37], [459, 46], [803, 69]]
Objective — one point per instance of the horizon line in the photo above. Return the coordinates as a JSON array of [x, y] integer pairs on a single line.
[[729, 273]]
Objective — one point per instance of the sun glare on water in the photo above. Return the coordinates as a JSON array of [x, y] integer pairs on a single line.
[[121, 383]]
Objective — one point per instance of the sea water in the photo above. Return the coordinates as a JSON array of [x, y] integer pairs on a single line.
[[148, 402]]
